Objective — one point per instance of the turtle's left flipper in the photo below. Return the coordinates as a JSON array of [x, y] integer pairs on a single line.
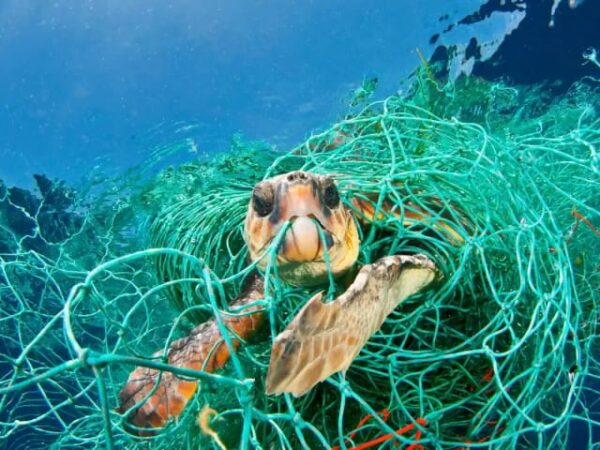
[[150, 397], [324, 338]]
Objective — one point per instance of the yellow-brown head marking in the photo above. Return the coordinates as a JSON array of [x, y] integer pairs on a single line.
[[308, 201]]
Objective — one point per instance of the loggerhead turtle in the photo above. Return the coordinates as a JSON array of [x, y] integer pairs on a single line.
[[323, 338]]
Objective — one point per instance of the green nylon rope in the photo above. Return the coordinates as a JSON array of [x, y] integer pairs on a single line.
[[502, 353]]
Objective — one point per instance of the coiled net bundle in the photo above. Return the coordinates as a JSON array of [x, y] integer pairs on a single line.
[[502, 353]]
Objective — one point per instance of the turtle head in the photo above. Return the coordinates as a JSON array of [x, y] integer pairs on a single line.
[[318, 223]]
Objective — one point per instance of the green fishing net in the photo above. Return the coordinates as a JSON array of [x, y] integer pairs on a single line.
[[502, 353]]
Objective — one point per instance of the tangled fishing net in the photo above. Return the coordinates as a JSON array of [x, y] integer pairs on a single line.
[[503, 353]]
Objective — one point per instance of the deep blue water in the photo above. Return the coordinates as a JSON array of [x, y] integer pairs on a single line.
[[100, 82], [87, 84]]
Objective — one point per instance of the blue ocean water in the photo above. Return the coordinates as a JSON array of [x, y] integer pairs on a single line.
[[99, 83], [99, 86]]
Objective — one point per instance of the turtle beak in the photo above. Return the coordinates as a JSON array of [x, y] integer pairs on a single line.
[[302, 241], [300, 204]]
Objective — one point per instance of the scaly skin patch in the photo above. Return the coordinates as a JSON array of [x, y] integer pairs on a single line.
[[203, 349], [324, 338]]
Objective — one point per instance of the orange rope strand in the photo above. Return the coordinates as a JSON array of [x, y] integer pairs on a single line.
[[398, 432]]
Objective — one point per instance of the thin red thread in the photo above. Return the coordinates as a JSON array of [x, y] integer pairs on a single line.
[[385, 415], [582, 218], [488, 375], [578, 219], [389, 436]]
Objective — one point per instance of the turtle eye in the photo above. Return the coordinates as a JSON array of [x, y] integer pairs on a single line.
[[262, 200], [331, 197]]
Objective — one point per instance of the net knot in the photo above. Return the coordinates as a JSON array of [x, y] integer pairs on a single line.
[[246, 391], [298, 420], [84, 357]]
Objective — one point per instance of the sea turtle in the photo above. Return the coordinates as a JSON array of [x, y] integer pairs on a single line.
[[323, 338]]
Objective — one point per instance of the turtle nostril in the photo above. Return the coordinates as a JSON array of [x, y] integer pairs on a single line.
[[294, 176]]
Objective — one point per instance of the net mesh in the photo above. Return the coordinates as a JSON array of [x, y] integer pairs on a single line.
[[503, 353]]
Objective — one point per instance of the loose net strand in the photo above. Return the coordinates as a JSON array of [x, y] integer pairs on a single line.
[[502, 353]]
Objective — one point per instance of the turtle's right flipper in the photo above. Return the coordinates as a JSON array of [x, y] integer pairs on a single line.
[[204, 349], [324, 338]]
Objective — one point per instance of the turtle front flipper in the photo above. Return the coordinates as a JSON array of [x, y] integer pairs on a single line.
[[324, 338], [414, 215], [163, 395]]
